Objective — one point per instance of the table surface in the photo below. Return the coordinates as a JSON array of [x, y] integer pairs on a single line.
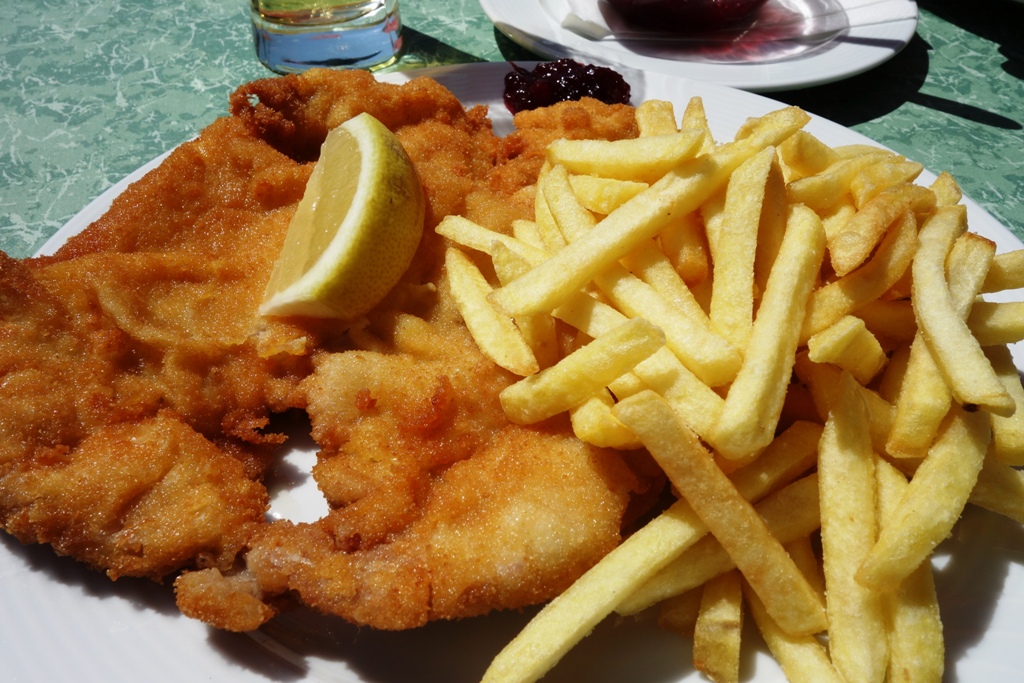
[[92, 89]]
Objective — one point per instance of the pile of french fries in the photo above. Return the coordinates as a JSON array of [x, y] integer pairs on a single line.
[[797, 334]]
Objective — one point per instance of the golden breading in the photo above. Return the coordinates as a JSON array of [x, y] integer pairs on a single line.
[[138, 386]]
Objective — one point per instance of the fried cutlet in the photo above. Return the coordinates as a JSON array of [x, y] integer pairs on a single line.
[[149, 313], [138, 386]]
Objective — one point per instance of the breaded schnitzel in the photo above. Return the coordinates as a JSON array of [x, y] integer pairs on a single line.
[[137, 384]]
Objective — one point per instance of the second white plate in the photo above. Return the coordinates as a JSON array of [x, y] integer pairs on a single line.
[[531, 23]]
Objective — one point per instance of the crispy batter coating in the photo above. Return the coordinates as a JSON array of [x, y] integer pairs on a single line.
[[138, 385]]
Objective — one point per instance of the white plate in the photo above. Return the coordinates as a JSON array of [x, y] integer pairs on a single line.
[[63, 622], [534, 25]]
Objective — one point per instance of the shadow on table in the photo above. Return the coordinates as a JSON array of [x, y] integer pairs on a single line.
[[880, 91], [998, 21], [420, 50], [870, 95]]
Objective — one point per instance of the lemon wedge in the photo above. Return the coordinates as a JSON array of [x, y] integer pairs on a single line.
[[355, 230]]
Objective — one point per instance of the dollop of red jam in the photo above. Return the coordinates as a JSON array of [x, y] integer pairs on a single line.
[[562, 80]]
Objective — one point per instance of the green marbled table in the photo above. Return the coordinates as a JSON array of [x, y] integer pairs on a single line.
[[92, 89]]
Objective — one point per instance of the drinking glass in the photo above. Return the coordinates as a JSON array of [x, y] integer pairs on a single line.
[[294, 35]]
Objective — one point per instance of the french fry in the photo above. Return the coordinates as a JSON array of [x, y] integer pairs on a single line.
[[651, 265], [527, 232], [925, 396], [679, 192], [879, 177], [692, 274], [474, 236], [494, 332], [857, 149], [686, 247], [789, 513], [593, 422], [852, 245], [572, 219], [732, 294], [1007, 432], [947, 191], [837, 216], [716, 639], [712, 213], [891, 381], [967, 371], [573, 614], [755, 399], [802, 657], [852, 292], [695, 119], [550, 235], [849, 345], [967, 268], [643, 159], [823, 381], [656, 117], [662, 371], [802, 552], [901, 289], [849, 524], [679, 613], [746, 129], [604, 195], [772, 227], [916, 648], [804, 155], [589, 315], [825, 189], [789, 456], [702, 293], [538, 330], [788, 596], [704, 352], [688, 331], [891, 320], [630, 383], [922, 403], [692, 399], [1006, 272], [997, 322], [1000, 489], [932, 503], [581, 374]]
